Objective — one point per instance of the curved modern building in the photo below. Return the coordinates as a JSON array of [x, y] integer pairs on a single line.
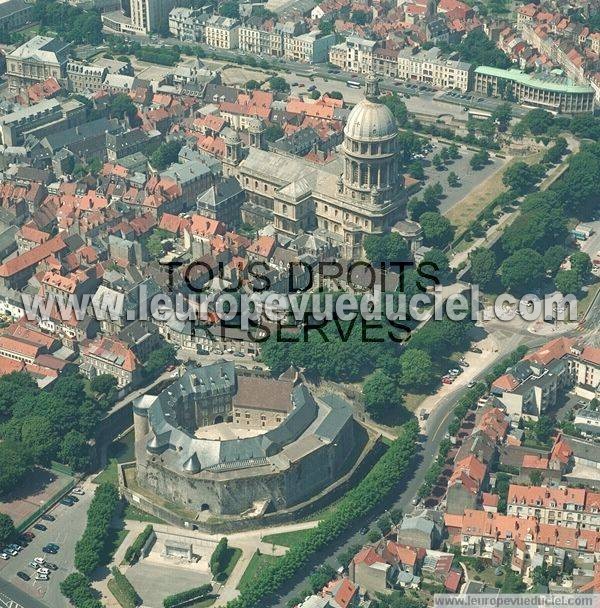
[[241, 444]]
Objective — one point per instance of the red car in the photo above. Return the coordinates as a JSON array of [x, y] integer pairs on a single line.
[[447, 380]]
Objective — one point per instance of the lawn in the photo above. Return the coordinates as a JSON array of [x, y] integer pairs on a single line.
[[117, 536], [257, 562], [287, 539], [120, 594], [135, 514], [109, 475]]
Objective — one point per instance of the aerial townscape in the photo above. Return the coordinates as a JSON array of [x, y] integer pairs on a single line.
[[299, 302]]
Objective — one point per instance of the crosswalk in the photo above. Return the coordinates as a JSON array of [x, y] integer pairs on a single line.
[[6, 602]]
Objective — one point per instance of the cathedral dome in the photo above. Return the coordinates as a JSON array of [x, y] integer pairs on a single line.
[[370, 121]]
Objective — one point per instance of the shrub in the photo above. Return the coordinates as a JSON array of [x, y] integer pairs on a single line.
[[135, 549], [123, 590], [197, 593]]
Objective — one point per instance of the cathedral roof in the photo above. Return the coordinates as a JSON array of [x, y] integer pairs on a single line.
[[370, 121]]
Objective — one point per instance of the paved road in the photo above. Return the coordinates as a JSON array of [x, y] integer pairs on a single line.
[[65, 531], [437, 426], [13, 597]]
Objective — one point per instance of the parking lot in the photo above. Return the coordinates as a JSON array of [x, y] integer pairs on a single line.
[[154, 582], [65, 532], [469, 178]]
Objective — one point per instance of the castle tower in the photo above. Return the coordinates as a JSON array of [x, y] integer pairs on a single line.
[[141, 427]]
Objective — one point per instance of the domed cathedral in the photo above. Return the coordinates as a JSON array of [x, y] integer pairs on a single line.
[[360, 192], [371, 189]]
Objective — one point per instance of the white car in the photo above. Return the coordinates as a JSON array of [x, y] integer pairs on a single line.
[[78, 491], [41, 577], [43, 571], [4, 556], [39, 560]]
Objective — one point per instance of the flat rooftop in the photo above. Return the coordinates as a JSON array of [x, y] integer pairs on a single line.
[[548, 82]]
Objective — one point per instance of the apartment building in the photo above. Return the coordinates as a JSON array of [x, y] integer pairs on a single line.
[[222, 32], [82, 77], [551, 92], [569, 507], [312, 47], [187, 24], [258, 39], [109, 356], [37, 60], [354, 55], [430, 67]]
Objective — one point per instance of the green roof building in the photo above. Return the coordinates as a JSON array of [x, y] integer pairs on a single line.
[[550, 91]]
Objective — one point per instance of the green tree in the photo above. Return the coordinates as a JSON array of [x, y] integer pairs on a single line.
[[335, 95], [478, 49], [479, 160], [518, 177], [103, 384], [252, 85], [397, 107], [538, 121], [218, 559], [543, 428], [437, 229], [522, 271], [536, 477], [416, 369], [568, 282], [453, 180], [386, 248], [39, 438], [166, 154], [15, 463], [483, 266], [230, 9], [581, 263], [380, 392], [7, 528], [121, 106], [502, 116], [279, 84], [274, 132], [440, 262], [453, 151], [75, 451], [553, 258]]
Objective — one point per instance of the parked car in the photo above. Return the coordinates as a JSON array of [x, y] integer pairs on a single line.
[[239, 353], [39, 560], [53, 546], [23, 575], [363, 530], [447, 380], [475, 349], [48, 549], [43, 571], [455, 371], [4, 555], [41, 577], [28, 535], [72, 498], [33, 565], [51, 566], [40, 527], [78, 491], [471, 384], [48, 517], [66, 502]]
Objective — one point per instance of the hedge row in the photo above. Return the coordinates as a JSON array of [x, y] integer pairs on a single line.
[[353, 507], [123, 590], [93, 547], [135, 549], [197, 593]]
